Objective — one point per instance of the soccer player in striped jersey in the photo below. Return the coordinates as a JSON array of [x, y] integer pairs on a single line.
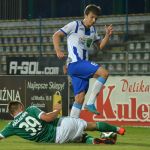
[[81, 38], [36, 125]]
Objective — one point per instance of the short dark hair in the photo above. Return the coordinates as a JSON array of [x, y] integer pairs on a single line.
[[13, 106], [92, 8]]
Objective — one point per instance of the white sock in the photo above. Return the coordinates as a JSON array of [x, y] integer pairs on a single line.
[[95, 90], [75, 110]]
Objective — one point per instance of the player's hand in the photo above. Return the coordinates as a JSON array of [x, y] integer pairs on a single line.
[[109, 30], [60, 54], [57, 107]]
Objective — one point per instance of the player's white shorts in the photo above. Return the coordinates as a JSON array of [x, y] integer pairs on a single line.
[[70, 129]]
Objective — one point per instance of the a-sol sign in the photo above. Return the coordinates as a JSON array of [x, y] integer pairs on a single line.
[[34, 66]]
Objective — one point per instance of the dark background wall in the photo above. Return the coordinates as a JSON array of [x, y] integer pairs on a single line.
[[23, 9]]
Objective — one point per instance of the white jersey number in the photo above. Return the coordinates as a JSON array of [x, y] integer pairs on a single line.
[[31, 124]]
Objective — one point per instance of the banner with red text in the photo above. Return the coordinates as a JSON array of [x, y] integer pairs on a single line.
[[124, 100]]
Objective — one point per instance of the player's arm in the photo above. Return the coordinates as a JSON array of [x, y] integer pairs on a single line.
[[56, 41], [105, 40], [6, 132], [64, 31], [50, 116]]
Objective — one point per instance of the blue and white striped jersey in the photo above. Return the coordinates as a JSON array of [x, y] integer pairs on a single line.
[[80, 40]]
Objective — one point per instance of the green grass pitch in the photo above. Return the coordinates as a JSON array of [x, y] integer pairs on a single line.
[[136, 138]]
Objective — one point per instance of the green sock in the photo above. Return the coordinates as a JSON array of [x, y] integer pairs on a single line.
[[89, 140], [105, 127]]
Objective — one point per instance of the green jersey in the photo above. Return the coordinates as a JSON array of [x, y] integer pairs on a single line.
[[28, 125]]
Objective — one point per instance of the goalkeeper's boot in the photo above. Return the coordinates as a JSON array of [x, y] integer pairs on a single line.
[[91, 108], [103, 141], [121, 131]]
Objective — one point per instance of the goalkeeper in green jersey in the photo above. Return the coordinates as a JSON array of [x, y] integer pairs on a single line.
[[35, 125]]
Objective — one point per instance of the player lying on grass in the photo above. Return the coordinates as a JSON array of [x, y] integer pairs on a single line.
[[35, 125]]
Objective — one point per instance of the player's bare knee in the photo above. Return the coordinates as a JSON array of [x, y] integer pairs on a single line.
[[91, 126], [79, 98], [106, 74], [101, 72]]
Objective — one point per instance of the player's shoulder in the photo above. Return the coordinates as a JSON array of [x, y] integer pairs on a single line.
[[75, 23], [72, 23], [70, 27], [78, 22], [31, 108]]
